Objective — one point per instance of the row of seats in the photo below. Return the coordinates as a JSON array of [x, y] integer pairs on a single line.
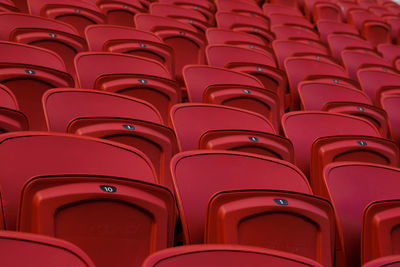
[[232, 165]]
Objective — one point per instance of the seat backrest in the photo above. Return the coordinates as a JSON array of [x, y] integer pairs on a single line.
[[63, 105], [373, 78], [391, 104], [51, 153], [326, 27], [341, 148], [219, 255], [379, 232], [31, 77], [304, 127], [299, 68], [222, 55], [354, 59], [22, 249], [339, 41], [370, 182], [261, 218], [212, 117], [210, 172], [314, 95], [226, 36], [98, 35], [71, 204], [198, 78]]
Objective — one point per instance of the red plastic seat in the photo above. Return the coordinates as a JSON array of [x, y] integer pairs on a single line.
[[314, 95], [181, 14], [379, 232], [247, 24], [118, 39], [11, 119], [358, 16], [376, 115], [286, 48], [327, 27], [368, 182], [354, 59], [269, 8], [241, 39], [373, 78], [187, 44], [120, 12], [77, 13], [70, 205], [326, 11], [157, 141], [29, 77], [23, 249], [205, 7], [394, 22], [56, 36], [260, 143], [257, 64], [219, 255], [284, 32], [241, 7], [221, 86], [210, 117], [210, 172], [391, 104], [299, 68], [338, 42], [282, 19], [28, 154], [341, 148], [63, 105], [304, 127], [389, 261], [377, 32], [129, 75], [389, 52], [275, 220]]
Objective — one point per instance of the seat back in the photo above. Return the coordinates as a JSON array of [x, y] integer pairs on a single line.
[[70, 205], [22, 249], [47, 153], [210, 172]]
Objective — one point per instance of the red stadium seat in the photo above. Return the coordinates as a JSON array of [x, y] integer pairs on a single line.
[[29, 77], [326, 11], [350, 187], [156, 141], [342, 148], [284, 32], [286, 48], [389, 51], [47, 153], [210, 172], [181, 14], [269, 8], [260, 143], [63, 105], [380, 230], [205, 7], [282, 19], [129, 75], [221, 86], [219, 255], [314, 95], [354, 59], [237, 22], [23, 249], [243, 8], [304, 127], [338, 42], [187, 44], [377, 116], [212, 117], [56, 36], [373, 78], [120, 12], [299, 68], [391, 104], [327, 27], [65, 206], [118, 39], [77, 13], [262, 218], [377, 32]]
